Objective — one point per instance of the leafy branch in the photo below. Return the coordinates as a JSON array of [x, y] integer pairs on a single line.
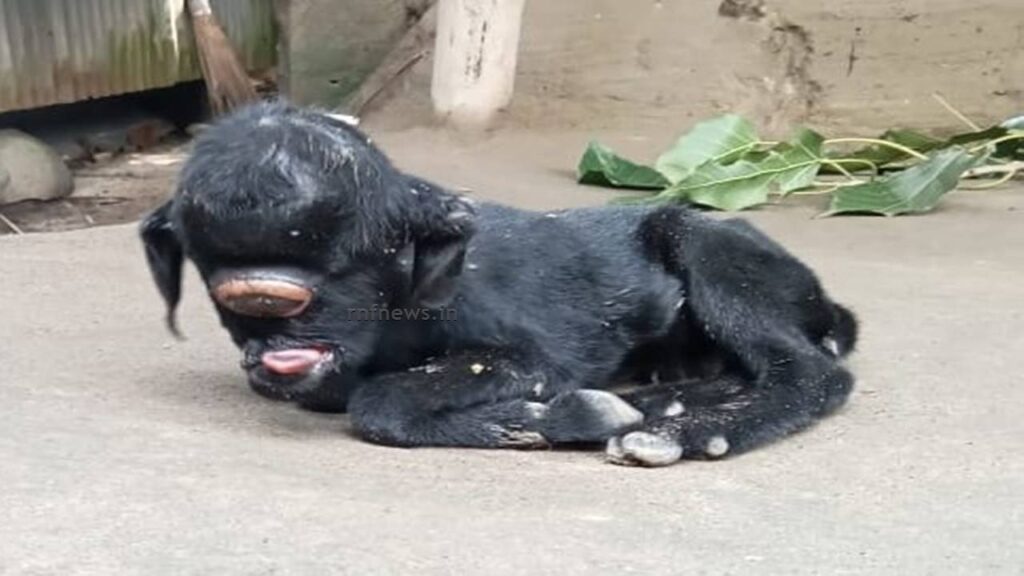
[[723, 164]]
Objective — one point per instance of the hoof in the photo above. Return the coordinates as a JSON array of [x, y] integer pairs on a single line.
[[643, 449]]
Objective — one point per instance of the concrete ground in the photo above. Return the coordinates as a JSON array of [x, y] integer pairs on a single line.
[[124, 452]]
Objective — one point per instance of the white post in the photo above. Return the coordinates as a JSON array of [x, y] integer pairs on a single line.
[[475, 59]]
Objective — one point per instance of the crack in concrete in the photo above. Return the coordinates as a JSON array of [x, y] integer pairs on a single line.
[[752, 10], [793, 44], [852, 58], [787, 92]]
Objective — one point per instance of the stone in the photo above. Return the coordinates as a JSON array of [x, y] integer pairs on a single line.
[[148, 133], [31, 170], [127, 135]]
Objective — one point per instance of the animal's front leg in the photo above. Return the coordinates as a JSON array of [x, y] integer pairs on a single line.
[[484, 399]]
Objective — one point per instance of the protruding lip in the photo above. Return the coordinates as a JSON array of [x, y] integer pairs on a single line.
[[289, 385], [261, 292], [263, 298]]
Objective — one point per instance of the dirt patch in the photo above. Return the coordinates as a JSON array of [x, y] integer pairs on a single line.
[[112, 192]]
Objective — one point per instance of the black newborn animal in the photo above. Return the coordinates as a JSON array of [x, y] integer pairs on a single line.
[[437, 321]]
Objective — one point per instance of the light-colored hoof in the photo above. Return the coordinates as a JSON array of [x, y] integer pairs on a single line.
[[717, 447], [674, 409], [613, 412], [643, 449]]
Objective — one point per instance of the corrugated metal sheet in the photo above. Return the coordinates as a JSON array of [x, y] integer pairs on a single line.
[[58, 51]]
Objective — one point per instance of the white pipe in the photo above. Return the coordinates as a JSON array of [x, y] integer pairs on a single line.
[[475, 58], [200, 8]]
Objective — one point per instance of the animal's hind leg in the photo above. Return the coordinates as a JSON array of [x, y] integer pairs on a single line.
[[706, 425], [755, 303]]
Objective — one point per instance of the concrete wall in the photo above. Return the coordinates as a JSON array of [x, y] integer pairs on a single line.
[[855, 66], [844, 66], [331, 45]]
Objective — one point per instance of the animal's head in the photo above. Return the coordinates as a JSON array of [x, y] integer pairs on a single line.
[[300, 229]]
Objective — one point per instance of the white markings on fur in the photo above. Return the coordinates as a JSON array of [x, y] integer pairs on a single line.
[[518, 438], [472, 266], [717, 447], [350, 120], [271, 155], [536, 410], [457, 215], [337, 155], [427, 368], [831, 345], [680, 302], [613, 411], [674, 409], [643, 449], [538, 389]]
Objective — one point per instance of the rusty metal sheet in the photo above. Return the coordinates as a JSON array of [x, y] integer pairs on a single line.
[[59, 51]]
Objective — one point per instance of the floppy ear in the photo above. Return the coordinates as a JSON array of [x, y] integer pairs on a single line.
[[436, 271], [442, 229], [165, 257]]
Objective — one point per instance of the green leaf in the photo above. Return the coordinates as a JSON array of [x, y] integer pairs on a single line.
[[1015, 123], [724, 139], [748, 181], [803, 147], [882, 156], [599, 166], [916, 189], [1008, 150], [977, 137]]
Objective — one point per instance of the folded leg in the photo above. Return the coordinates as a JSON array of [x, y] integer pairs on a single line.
[[741, 416], [484, 399], [766, 314]]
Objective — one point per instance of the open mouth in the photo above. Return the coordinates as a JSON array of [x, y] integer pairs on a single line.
[[287, 372], [295, 361]]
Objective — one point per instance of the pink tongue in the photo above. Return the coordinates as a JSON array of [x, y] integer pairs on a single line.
[[296, 361]]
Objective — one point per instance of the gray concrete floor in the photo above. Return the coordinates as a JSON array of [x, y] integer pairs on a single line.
[[124, 452]]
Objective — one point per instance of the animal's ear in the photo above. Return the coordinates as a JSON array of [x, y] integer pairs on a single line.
[[442, 229], [165, 257], [436, 271]]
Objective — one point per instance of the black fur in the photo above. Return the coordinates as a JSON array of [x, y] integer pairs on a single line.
[[532, 312]]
